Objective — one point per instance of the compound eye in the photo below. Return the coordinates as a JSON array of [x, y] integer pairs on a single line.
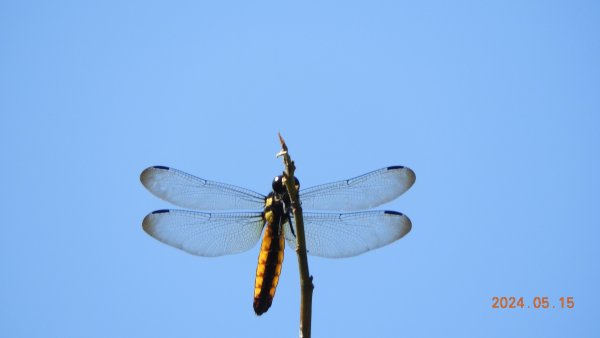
[[278, 186]]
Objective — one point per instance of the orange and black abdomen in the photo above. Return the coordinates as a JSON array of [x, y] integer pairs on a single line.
[[270, 260]]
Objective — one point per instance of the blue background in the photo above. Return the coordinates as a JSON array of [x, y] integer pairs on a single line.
[[494, 105]]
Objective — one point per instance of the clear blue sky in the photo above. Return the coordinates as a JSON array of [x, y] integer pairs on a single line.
[[495, 106]]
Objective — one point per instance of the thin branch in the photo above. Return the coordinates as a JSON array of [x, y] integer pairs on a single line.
[[306, 284]]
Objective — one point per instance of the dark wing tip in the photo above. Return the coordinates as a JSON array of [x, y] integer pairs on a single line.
[[149, 222], [409, 173], [405, 222], [144, 176]]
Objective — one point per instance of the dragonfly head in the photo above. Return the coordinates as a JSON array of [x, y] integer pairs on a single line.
[[279, 186]]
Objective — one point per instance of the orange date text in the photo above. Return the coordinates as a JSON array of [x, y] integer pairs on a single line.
[[534, 303]]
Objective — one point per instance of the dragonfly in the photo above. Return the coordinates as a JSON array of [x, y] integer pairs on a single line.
[[222, 219]]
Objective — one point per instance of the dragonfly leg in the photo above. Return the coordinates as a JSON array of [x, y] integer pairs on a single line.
[[292, 227]]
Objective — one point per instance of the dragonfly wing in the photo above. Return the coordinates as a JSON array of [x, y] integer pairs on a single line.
[[359, 193], [188, 191], [336, 235], [205, 234]]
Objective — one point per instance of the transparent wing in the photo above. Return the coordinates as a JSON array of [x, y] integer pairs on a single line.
[[336, 235], [205, 234], [189, 191], [359, 193]]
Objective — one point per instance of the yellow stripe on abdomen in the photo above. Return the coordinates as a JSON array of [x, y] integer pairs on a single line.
[[270, 260]]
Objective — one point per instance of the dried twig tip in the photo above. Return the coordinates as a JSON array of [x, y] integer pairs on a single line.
[[282, 141]]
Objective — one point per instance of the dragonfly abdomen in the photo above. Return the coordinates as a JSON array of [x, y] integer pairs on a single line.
[[270, 260]]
